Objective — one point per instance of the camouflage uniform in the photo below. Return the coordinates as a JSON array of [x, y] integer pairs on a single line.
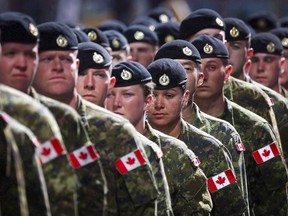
[[59, 177], [229, 137], [187, 182], [92, 184], [13, 184], [284, 91], [266, 181], [115, 137], [280, 107], [214, 159], [252, 98]]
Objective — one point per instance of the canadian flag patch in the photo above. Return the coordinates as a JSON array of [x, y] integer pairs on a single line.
[[196, 161], [266, 153], [221, 180], [240, 146], [49, 150], [83, 156], [130, 161]]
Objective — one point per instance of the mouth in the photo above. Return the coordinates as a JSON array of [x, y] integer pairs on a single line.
[[57, 78], [19, 75], [159, 115]]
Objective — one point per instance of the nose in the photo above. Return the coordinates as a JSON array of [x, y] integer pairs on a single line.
[[21, 62], [58, 67], [89, 81], [260, 66], [158, 103], [117, 101]]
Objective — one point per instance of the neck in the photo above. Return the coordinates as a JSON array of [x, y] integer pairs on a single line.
[[140, 126], [187, 113], [172, 129], [277, 88], [213, 107], [70, 100]]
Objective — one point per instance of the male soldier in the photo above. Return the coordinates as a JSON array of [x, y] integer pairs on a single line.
[[143, 44], [266, 178], [207, 21], [72, 130], [238, 44], [18, 63], [129, 98], [58, 68], [186, 54], [282, 34], [171, 96], [19, 164], [119, 45]]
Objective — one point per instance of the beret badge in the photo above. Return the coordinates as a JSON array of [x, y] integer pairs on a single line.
[[234, 32], [163, 18], [284, 42], [61, 41], [139, 35], [164, 80], [187, 51], [97, 58], [219, 22], [115, 43], [92, 35], [169, 38], [126, 75], [33, 29], [208, 49], [270, 47]]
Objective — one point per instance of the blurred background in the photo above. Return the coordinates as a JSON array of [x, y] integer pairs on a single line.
[[92, 12]]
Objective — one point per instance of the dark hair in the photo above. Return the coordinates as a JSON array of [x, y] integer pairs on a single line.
[[147, 88]]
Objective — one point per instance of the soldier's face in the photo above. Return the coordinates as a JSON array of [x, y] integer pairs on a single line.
[[93, 84], [266, 69], [217, 33], [237, 56], [215, 73], [119, 56], [57, 73], [142, 52], [284, 75], [166, 108], [129, 102], [18, 64]]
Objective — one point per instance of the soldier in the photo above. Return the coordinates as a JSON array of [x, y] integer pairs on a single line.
[[18, 146], [238, 37], [130, 97], [119, 143], [186, 54], [282, 34], [72, 130], [119, 45], [143, 44], [167, 32], [18, 64], [171, 96], [262, 21], [112, 25], [267, 193]]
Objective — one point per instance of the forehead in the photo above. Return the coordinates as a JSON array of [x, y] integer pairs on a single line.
[[187, 62], [265, 55], [58, 53], [163, 91], [211, 32], [211, 60], [127, 88], [19, 46], [137, 45]]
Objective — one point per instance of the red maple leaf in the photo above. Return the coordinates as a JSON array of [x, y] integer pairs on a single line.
[[46, 151], [130, 161], [266, 153], [220, 180], [83, 155]]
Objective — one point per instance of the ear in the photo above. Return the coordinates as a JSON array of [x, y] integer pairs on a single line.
[[200, 79], [282, 64], [186, 97], [228, 71], [148, 101], [249, 53], [112, 82]]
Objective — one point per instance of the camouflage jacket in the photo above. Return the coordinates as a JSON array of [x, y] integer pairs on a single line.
[[114, 137], [229, 137], [92, 185], [214, 159], [60, 178], [266, 180], [284, 91], [21, 188], [187, 182], [252, 98], [280, 107]]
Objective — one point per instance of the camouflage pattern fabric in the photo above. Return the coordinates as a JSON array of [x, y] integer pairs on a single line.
[[229, 137], [214, 159], [284, 92], [266, 181], [187, 182], [60, 178], [115, 137], [92, 185]]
